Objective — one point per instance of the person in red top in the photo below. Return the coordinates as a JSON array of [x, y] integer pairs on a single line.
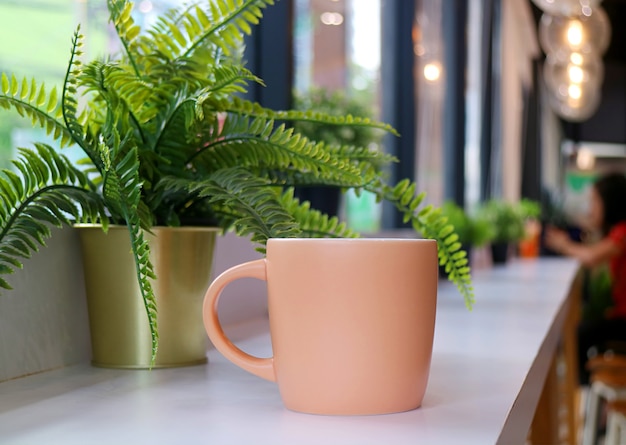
[[607, 214]]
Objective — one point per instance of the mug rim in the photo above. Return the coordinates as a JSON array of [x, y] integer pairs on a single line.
[[352, 240]]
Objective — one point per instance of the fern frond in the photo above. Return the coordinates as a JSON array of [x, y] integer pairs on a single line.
[[46, 190], [120, 14], [101, 78], [370, 164], [244, 202], [69, 100], [313, 223], [144, 96], [33, 101], [122, 194], [241, 106], [430, 222], [187, 113], [176, 118], [145, 273], [184, 33], [225, 24], [226, 80], [260, 146]]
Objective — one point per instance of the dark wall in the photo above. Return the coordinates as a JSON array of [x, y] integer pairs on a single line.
[[608, 124]]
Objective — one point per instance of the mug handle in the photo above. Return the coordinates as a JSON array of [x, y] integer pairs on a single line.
[[262, 367]]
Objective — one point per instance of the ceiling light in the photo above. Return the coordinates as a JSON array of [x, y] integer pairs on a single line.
[[432, 71], [574, 91], [331, 18], [575, 33], [575, 73], [576, 58]]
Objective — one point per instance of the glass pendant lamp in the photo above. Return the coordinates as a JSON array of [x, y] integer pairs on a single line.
[[565, 8], [565, 68], [575, 103], [582, 33]]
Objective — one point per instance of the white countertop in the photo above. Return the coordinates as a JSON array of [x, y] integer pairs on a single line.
[[487, 372]]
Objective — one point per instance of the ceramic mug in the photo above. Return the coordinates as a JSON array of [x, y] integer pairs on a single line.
[[351, 322]]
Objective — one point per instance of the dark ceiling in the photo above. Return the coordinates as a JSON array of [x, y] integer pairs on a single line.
[[616, 10]]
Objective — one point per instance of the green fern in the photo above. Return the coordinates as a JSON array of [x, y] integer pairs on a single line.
[[259, 144], [246, 203], [313, 223], [122, 193], [47, 190], [69, 102], [127, 31], [229, 20], [30, 99], [168, 139], [241, 106]]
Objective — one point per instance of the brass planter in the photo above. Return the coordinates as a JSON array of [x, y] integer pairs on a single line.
[[120, 334]]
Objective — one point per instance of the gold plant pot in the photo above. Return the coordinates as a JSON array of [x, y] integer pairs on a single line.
[[120, 335]]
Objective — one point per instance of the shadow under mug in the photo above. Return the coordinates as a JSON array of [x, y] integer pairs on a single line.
[[351, 322]]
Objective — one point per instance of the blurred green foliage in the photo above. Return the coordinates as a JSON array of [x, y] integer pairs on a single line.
[[335, 103], [36, 43], [597, 289], [473, 229], [507, 219]]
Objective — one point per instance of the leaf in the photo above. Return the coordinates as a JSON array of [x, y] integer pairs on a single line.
[[5, 83], [14, 85], [34, 201], [24, 89], [41, 97], [52, 100], [251, 207], [4, 284]]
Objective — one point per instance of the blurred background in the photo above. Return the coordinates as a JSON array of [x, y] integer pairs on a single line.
[[494, 99]]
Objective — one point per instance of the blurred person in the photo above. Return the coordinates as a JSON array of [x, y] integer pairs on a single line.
[[607, 215]]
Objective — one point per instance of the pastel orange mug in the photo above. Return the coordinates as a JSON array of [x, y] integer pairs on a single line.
[[351, 322]]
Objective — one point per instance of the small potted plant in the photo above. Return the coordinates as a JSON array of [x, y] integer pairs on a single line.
[[507, 224], [529, 245], [507, 221], [169, 142]]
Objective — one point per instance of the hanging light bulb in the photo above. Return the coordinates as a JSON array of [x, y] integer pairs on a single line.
[[576, 58], [574, 92], [575, 103], [575, 73], [562, 69], [574, 33], [581, 33], [565, 8], [432, 71]]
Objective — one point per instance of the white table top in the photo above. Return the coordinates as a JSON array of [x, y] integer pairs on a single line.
[[487, 372]]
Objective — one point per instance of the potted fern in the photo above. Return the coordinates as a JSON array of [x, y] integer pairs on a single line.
[[169, 142]]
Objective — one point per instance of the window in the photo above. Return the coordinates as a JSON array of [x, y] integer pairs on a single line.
[[337, 50]]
